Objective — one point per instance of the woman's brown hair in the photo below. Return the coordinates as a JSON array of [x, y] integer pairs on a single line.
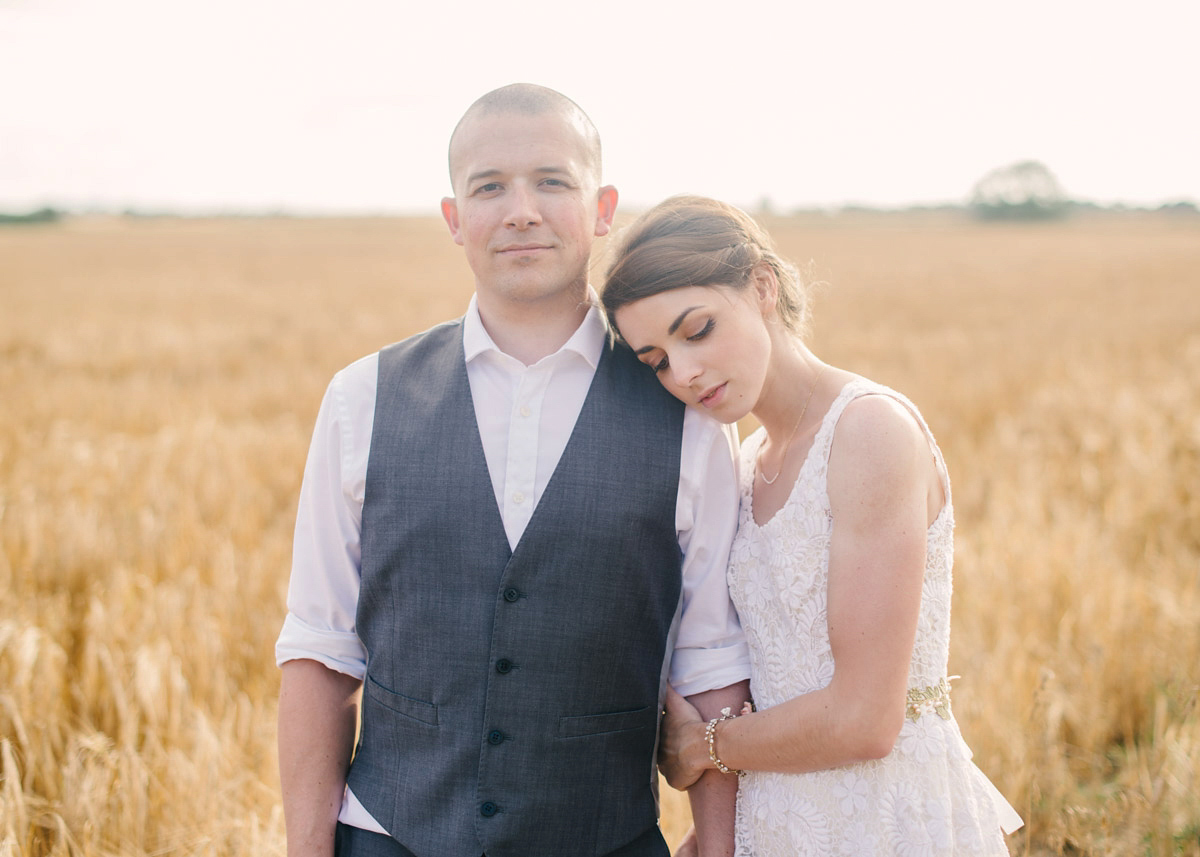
[[697, 241]]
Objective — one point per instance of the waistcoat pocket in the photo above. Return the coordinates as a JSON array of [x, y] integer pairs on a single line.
[[598, 724], [415, 709]]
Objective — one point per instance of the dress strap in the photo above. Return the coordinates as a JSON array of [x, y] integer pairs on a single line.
[[858, 387]]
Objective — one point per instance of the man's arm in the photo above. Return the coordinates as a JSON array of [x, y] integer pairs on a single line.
[[714, 795], [710, 651], [318, 717]]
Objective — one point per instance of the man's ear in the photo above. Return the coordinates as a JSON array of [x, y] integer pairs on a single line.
[[606, 208], [450, 214]]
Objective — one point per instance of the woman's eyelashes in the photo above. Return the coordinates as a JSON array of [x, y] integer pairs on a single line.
[[704, 331]]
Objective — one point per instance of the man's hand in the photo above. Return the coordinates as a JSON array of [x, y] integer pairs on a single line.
[[682, 750]]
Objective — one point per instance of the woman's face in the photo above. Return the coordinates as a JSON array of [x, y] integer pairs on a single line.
[[709, 345]]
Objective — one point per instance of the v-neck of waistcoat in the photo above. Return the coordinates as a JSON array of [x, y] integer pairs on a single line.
[[569, 450]]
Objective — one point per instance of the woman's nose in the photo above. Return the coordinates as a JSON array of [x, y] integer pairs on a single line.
[[684, 371]]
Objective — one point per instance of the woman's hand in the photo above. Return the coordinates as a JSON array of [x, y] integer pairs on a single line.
[[682, 751]]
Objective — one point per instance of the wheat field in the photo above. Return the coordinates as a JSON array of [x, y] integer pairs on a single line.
[[158, 383]]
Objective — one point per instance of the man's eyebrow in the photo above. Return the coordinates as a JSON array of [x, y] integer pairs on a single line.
[[493, 172], [674, 327], [482, 174]]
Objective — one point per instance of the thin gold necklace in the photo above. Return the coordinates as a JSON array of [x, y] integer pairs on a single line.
[[788, 444]]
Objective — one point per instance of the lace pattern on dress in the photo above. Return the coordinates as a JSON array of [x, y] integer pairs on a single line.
[[926, 797]]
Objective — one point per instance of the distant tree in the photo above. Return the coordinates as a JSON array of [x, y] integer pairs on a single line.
[[42, 215], [1026, 190], [1183, 207]]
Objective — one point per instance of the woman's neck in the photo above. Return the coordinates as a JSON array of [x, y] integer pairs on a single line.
[[792, 376]]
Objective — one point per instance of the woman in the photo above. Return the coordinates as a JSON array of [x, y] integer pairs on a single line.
[[841, 569]]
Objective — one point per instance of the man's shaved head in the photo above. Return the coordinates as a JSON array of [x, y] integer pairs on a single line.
[[529, 99]]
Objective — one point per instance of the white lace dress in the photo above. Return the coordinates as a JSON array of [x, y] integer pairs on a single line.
[[926, 797]]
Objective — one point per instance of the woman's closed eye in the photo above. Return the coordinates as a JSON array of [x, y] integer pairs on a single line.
[[663, 362], [704, 331]]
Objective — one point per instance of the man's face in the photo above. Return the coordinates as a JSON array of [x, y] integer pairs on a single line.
[[526, 205]]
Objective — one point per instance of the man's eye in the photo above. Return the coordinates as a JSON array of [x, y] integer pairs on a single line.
[[490, 187]]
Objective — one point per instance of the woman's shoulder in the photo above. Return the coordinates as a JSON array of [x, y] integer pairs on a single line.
[[876, 424], [882, 444], [866, 405]]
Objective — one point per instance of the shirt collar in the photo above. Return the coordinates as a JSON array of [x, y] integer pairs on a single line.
[[587, 341]]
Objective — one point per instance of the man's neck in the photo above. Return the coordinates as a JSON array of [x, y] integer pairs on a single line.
[[531, 331]]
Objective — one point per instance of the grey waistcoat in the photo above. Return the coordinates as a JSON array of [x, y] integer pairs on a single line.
[[511, 699]]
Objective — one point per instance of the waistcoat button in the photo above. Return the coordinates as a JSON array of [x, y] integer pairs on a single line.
[[495, 737], [487, 809], [511, 595], [503, 666]]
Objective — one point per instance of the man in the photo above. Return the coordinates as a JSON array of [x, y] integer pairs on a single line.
[[488, 549]]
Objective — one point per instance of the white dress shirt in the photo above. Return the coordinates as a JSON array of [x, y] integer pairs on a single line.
[[525, 415]]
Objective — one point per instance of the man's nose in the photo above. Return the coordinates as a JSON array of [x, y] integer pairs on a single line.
[[523, 210]]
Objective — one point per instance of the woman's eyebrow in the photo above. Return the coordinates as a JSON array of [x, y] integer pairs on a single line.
[[679, 319], [670, 330]]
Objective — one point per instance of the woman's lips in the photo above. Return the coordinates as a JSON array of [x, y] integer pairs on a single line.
[[713, 398]]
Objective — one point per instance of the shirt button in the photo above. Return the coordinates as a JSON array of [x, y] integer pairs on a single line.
[[487, 809], [504, 666], [495, 737], [518, 498], [511, 594], [525, 410]]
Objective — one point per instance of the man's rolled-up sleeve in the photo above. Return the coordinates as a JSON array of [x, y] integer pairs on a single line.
[[710, 649], [323, 590]]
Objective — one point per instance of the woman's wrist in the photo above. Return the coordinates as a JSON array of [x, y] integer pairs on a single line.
[[697, 756], [710, 743]]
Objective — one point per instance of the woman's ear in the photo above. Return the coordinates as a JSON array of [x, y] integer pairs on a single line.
[[766, 288]]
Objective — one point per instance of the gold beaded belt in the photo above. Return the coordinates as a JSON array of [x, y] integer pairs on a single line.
[[935, 698]]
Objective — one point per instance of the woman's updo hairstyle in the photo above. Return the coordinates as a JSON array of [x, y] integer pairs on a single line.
[[697, 241]]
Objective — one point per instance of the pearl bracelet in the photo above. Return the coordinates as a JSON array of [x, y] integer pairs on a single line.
[[710, 735]]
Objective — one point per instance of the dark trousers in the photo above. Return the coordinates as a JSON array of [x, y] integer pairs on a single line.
[[355, 842]]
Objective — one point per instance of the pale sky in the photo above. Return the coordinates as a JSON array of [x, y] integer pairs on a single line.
[[252, 105]]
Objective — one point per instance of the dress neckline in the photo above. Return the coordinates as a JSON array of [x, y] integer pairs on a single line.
[[855, 381], [804, 465]]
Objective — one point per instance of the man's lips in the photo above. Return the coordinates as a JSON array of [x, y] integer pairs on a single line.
[[523, 248]]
